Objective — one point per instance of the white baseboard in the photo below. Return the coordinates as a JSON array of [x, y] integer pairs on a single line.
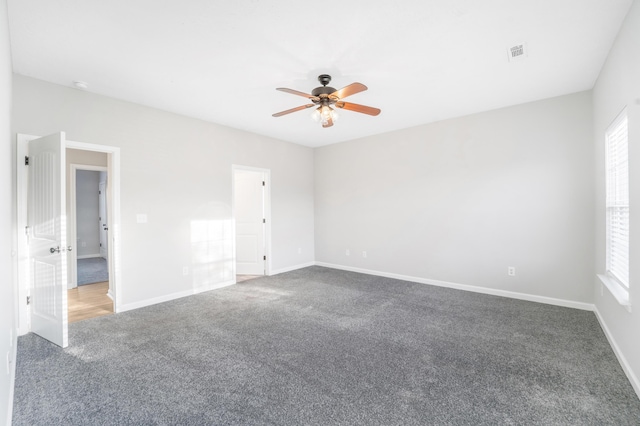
[[88, 256], [616, 350], [110, 295], [172, 296], [292, 268], [466, 287]]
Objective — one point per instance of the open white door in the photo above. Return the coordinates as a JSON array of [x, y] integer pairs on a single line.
[[48, 238], [250, 216]]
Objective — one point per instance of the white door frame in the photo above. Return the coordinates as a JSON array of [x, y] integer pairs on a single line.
[[72, 256], [115, 279], [267, 213], [103, 220]]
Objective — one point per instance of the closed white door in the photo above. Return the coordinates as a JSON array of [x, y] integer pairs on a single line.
[[249, 216], [102, 219], [47, 238]]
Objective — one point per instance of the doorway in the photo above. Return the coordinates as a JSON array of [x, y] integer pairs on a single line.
[[89, 285], [251, 198]]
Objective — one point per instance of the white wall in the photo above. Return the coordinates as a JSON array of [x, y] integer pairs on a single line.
[[7, 284], [461, 200], [87, 231], [177, 170], [618, 86]]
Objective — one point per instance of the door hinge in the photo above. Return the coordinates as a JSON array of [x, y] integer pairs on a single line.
[[26, 230], [26, 160], [28, 300], [264, 257], [264, 220], [262, 183]]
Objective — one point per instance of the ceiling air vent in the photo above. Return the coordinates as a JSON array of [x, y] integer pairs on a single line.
[[517, 52]]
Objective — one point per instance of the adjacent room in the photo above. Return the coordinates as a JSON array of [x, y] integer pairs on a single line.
[[251, 212]]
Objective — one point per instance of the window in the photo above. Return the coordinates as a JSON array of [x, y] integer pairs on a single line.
[[617, 201]]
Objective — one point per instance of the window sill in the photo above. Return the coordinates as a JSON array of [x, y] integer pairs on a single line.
[[619, 293]]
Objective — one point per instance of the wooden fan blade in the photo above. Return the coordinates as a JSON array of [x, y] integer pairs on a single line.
[[295, 92], [349, 90], [289, 111], [328, 123], [358, 108]]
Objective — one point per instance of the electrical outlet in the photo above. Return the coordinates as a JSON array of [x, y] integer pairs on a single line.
[[348, 252], [511, 271], [364, 254], [185, 270], [141, 218]]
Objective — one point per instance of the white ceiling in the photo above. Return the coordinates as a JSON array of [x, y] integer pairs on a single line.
[[220, 61]]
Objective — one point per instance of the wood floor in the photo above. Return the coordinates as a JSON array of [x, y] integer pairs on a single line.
[[240, 278], [89, 301]]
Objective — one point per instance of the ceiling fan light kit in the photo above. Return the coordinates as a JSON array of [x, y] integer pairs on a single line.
[[324, 97], [323, 114]]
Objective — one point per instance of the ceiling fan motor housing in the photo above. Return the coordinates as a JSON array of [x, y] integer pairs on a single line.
[[324, 79], [324, 90]]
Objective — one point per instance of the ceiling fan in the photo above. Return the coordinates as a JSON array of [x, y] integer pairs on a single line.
[[325, 97]]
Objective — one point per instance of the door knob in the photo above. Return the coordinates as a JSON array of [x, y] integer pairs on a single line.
[[69, 248], [54, 250]]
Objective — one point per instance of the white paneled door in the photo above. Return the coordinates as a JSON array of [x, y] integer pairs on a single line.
[[47, 238], [250, 216]]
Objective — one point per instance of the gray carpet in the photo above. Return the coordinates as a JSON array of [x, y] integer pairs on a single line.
[[319, 346], [92, 270]]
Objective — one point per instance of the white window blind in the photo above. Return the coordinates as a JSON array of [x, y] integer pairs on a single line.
[[617, 181]]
